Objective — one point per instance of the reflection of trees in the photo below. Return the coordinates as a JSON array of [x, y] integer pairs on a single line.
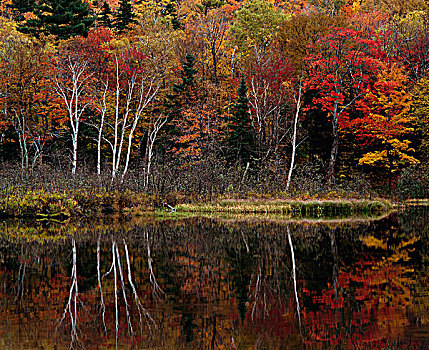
[[241, 263], [157, 291], [292, 253], [71, 307], [119, 286], [214, 284], [415, 221], [367, 299], [19, 287]]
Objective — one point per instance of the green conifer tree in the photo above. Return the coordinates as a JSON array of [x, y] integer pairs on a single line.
[[61, 18], [184, 94], [171, 12], [105, 20], [124, 16], [187, 75], [240, 138]]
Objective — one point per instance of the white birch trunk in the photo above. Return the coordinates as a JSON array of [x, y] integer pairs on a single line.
[[144, 100], [101, 107], [152, 134], [72, 93], [297, 111]]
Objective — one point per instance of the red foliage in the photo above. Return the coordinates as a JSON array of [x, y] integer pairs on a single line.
[[343, 67]]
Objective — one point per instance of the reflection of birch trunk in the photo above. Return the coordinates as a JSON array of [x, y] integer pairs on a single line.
[[245, 241], [116, 293], [124, 293], [140, 307], [257, 290], [334, 251], [294, 276], [19, 286], [116, 267], [156, 289], [71, 306], [103, 307]]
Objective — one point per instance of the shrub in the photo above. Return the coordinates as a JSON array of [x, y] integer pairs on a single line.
[[414, 182]]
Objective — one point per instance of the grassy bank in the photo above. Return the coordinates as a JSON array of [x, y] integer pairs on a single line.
[[59, 205], [63, 204], [293, 208]]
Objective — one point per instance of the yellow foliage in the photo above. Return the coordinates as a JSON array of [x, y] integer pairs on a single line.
[[394, 7], [153, 9], [388, 121], [356, 6], [117, 45], [373, 242], [392, 157], [7, 26]]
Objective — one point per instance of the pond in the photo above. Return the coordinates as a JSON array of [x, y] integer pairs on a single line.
[[207, 283]]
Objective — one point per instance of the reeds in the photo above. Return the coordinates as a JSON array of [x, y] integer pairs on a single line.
[[292, 208]]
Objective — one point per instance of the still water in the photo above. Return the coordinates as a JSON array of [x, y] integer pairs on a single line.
[[204, 283]]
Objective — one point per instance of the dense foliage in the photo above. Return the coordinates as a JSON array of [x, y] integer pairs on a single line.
[[226, 92]]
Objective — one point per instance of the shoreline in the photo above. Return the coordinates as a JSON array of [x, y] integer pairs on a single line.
[[309, 208], [63, 205]]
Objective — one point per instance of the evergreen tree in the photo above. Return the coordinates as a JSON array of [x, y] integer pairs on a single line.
[[124, 16], [187, 74], [240, 139], [171, 13], [105, 16], [20, 7], [61, 18], [183, 94]]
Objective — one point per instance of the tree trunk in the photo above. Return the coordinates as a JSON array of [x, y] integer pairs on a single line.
[[292, 160], [100, 136], [334, 152], [157, 125], [74, 162]]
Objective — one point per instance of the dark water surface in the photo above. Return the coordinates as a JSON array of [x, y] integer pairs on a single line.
[[216, 284]]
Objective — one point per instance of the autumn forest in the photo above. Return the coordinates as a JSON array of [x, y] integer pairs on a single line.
[[214, 174], [218, 96]]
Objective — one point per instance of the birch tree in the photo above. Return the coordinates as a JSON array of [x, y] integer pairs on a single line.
[[72, 77], [135, 87], [95, 49], [21, 81], [270, 104], [298, 104], [153, 131]]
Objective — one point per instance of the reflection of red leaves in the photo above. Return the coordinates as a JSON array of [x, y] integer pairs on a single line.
[[374, 298]]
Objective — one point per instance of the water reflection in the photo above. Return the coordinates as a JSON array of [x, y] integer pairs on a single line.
[[215, 284]]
